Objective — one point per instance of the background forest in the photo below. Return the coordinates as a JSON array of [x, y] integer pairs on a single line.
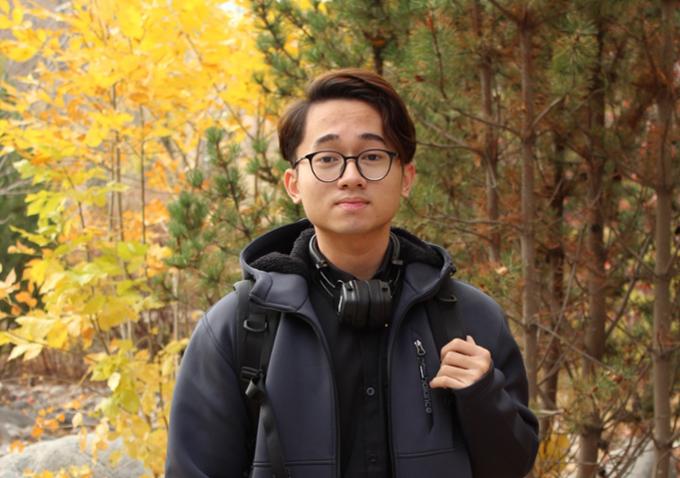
[[138, 156]]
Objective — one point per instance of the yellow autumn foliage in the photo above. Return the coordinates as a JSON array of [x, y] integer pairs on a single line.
[[107, 124]]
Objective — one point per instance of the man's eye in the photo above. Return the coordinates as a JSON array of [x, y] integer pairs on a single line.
[[326, 159], [373, 157]]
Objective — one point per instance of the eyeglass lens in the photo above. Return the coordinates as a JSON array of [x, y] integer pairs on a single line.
[[372, 164]]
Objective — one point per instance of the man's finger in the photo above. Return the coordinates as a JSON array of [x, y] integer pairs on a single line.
[[459, 345], [447, 382], [458, 359]]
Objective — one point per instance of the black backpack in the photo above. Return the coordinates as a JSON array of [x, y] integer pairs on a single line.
[[255, 339]]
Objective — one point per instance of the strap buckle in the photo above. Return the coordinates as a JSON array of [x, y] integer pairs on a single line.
[[255, 390], [249, 373], [255, 326]]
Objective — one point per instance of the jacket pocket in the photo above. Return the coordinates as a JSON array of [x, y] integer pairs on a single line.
[[424, 377]]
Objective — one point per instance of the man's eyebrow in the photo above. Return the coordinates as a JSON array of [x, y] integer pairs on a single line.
[[373, 136], [327, 138]]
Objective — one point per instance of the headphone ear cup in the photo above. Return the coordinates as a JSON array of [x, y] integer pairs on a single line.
[[364, 304], [348, 304], [380, 303], [363, 300]]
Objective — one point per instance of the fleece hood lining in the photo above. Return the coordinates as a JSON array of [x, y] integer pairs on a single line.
[[277, 254]]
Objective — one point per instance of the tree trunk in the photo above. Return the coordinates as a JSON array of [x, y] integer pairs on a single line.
[[591, 429], [490, 157], [662, 340], [529, 293], [556, 280]]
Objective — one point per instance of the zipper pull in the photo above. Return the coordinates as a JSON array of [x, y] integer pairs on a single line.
[[424, 380]]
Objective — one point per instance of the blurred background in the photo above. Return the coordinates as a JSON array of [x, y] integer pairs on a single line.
[[138, 156]]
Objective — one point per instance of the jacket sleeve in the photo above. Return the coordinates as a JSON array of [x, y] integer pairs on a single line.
[[208, 419], [500, 430]]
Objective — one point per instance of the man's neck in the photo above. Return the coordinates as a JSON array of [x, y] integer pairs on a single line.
[[360, 256]]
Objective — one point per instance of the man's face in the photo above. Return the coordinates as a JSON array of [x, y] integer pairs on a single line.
[[352, 205]]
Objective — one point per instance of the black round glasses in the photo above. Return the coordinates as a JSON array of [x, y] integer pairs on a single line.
[[329, 166]]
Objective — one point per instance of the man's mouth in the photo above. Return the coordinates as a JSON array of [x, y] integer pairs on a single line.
[[352, 203]]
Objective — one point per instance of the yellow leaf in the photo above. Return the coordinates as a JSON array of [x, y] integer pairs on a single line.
[[36, 270], [139, 427], [4, 338], [95, 135], [4, 6], [139, 97], [29, 351], [116, 312], [131, 250], [58, 335], [148, 402], [34, 327], [18, 52], [114, 381], [131, 21], [32, 351], [8, 285], [77, 420], [17, 15], [129, 401], [115, 457]]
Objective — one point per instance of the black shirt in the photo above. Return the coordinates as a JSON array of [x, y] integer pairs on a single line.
[[359, 364]]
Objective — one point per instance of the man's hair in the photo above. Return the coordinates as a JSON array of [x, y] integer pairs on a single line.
[[352, 84]]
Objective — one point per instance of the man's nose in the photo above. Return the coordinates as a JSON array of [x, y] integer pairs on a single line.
[[351, 176]]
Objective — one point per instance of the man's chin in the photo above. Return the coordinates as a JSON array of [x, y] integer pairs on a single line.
[[350, 230]]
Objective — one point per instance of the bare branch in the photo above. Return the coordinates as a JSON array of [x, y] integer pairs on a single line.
[[487, 122], [554, 103]]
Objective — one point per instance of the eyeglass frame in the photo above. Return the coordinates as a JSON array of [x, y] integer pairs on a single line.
[[391, 154]]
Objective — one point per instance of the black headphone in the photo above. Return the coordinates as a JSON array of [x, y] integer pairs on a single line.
[[361, 304]]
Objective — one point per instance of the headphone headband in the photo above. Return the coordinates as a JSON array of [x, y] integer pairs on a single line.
[[320, 261], [360, 304]]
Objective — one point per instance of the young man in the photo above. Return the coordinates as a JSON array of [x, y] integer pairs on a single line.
[[356, 385]]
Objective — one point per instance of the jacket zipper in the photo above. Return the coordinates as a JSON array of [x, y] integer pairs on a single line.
[[424, 380], [390, 343]]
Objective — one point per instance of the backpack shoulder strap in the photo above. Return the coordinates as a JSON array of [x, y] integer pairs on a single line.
[[256, 331], [443, 315], [255, 334]]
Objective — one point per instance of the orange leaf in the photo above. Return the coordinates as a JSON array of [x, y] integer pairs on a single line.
[[17, 446], [37, 432], [25, 298]]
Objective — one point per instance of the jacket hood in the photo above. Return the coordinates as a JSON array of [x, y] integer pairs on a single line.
[[283, 252]]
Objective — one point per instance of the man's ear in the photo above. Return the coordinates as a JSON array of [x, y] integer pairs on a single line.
[[290, 181], [408, 177]]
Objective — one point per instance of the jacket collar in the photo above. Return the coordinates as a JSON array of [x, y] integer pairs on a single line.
[[279, 265]]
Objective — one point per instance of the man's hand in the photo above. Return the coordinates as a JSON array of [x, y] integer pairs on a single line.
[[463, 363]]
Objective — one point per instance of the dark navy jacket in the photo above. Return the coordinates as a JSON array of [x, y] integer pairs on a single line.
[[482, 431]]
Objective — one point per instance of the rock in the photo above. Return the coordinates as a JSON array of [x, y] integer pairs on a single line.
[[13, 425], [644, 465], [15, 418], [65, 452]]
